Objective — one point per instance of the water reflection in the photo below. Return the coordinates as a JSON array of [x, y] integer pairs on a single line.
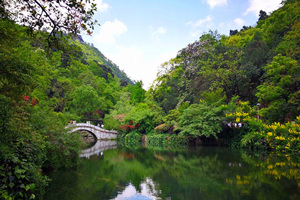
[[147, 191], [206, 173], [98, 148]]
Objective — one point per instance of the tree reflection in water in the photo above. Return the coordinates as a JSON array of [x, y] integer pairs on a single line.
[[204, 173]]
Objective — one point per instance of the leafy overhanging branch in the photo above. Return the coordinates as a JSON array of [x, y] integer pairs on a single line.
[[69, 16]]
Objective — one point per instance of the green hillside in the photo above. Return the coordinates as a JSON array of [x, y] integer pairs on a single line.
[[217, 68], [241, 90]]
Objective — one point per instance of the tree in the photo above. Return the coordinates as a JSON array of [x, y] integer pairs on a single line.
[[262, 15], [137, 93], [222, 71], [233, 32], [256, 55], [85, 101], [70, 16], [167, 87], [279, 94], [145, 116], [17, 69], [200, 120]]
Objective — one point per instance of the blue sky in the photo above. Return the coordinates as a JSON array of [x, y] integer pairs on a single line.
[[140, 35]]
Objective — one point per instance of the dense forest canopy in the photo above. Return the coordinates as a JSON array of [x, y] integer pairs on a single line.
[[259, 64]]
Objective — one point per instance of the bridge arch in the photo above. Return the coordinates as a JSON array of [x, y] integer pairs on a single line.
[[99, 132], [78, 129]]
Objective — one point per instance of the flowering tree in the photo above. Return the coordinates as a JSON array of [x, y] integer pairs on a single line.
[[70, 16]]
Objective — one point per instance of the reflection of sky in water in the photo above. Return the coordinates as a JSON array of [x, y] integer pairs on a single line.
[[148, 192]]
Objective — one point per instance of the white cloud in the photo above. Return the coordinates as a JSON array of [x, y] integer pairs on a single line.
[[101, 6], [160, 31], [265, 5], [214, 3], [109, 31], [239, 22], [201, 22], [200, 26]]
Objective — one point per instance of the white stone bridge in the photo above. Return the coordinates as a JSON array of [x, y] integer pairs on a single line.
[[98, 132]]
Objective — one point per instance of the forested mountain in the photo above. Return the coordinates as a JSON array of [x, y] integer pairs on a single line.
[[107, 63], [240, 90], [258, 64]]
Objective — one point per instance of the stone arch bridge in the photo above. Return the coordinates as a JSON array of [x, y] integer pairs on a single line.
[[98, 132]]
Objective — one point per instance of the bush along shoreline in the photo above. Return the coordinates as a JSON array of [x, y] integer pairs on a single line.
[[240, 126]]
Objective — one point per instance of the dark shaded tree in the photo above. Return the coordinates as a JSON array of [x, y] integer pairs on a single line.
[[262, 15], [233, 32], [256, 55]]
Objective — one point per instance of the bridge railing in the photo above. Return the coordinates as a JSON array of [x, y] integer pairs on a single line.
[[89, 125]]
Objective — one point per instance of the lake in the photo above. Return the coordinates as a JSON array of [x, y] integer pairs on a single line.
[[139, 173]]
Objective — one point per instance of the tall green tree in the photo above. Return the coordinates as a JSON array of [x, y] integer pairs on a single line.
[[279, 94], [200, 120], [137, 93], [85, 101], [255, 56]]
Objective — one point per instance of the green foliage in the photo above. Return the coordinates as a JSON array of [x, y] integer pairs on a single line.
[[85, 101], [144, 118], [166, 89], [116, 117], [34, 139], [258, 135], [37, 84], [15, 60], [216, 97], [279, 137], [5, 114], [277, 92], [42, 89], [234, 73], [132, 139], [164, 141], [21, 179], [137, 93], [289, 46], [200, 120], [256, 55], [172, 116]]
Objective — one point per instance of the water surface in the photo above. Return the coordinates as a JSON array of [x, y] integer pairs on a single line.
[[201, 173]]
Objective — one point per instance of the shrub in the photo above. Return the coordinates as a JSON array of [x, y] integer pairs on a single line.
[[163, 128], [200, 120]]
